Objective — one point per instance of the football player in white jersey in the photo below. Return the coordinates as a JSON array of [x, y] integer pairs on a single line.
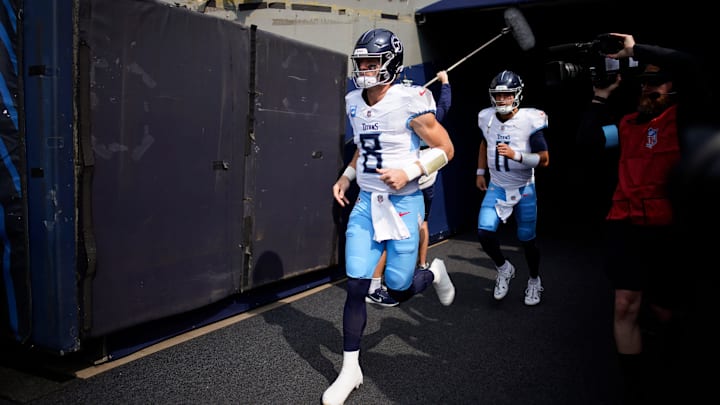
[[513, 145], [389, 121], [377, 294]]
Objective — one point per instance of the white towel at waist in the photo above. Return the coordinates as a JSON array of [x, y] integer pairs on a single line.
[[386, 221], [504, 208]]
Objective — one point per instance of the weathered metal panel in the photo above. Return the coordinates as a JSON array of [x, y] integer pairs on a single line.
[[168, 108], [299, 122], [48, 37]]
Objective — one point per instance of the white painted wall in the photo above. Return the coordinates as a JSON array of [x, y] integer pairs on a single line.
[[336, 30]]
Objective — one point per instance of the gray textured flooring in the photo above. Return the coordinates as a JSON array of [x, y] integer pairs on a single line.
[[476, 351]]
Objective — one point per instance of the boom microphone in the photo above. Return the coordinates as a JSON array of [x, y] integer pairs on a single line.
[[514, 23], [520, 29]]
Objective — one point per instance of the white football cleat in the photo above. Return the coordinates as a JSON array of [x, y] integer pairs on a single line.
[[443, 285], [349, 379]]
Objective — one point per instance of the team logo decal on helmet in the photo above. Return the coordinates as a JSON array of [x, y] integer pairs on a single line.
[[396, 44]]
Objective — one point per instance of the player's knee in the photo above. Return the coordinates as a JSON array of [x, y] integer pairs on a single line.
[[357, 287], [400, 295], [526, 234], [485, 235], [528, 244]]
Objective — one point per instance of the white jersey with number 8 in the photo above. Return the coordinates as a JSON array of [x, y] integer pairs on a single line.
[[383, 134]]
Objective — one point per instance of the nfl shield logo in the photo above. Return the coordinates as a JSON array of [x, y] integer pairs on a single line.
[[651, 138]]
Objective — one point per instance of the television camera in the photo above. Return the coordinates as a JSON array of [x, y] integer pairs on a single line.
[[588, 61]]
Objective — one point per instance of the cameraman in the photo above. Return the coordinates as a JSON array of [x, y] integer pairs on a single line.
[[641, 232]]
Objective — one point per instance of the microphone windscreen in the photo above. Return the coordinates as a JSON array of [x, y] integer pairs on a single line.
[[520, 28]]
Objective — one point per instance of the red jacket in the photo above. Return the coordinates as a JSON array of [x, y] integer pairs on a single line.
[[648, 151]]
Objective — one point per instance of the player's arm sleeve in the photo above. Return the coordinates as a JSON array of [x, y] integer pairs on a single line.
[[591, 132], [444, 102], [538, 142]]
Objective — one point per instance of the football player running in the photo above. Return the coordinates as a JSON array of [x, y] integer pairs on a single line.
[[388, 120], [513, 145]]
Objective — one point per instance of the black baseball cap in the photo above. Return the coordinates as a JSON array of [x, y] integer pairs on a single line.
[[655, 74]]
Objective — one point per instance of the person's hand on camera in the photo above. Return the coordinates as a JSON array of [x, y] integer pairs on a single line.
[[628, 44], [604, 92]]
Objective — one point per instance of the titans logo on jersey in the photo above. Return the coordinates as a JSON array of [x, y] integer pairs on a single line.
[[383, 134], [517, 132]]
